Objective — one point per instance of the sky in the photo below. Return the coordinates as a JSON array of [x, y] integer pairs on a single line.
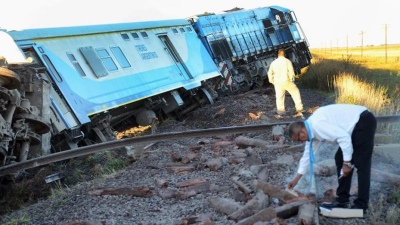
[[326, 24]]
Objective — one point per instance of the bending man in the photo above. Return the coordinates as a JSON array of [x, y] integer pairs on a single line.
[[353, 128]]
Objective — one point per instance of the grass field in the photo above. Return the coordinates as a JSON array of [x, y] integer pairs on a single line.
[[371, 80], [388, 54], [373, 66]]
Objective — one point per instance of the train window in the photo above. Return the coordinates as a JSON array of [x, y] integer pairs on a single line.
[[119, 55], [135, 35], [174, 30], [106, 59], [94, 61], [289, 17], [268, 26], [182, 30], [189, 29], [280, 18], [125, 36], [52, 69], [74, 62], [144, 34]]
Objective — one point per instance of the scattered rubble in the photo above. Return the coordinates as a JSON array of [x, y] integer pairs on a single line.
[[218, 180]]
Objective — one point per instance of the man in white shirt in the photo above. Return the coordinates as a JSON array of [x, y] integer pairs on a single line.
[[353, 128], [281, 75]]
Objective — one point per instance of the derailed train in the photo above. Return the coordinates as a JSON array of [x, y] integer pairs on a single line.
[[62, 88]]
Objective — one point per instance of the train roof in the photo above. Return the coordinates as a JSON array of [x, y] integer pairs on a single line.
[[36, 33], [237, 9], [280, 8]]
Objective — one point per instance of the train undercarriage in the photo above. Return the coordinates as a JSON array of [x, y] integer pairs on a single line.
[[22, 126], [26, 121]]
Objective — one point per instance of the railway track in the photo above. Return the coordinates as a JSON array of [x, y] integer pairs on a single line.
[[78, 152]]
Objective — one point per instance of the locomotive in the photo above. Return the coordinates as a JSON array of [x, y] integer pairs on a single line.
[[244, 42], [66, 87]]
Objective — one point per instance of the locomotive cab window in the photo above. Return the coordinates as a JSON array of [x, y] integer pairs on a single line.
[[278, 19], [290, 17], [268, 26]]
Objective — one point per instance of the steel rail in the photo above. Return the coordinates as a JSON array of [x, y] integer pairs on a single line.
[[82, 151]]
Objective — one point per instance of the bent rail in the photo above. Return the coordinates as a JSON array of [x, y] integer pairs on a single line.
[[44, 160]]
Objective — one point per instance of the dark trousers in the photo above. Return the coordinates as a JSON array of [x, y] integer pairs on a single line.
[[363, 144]]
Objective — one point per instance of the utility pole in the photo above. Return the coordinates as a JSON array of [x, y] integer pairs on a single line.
[[347, 44], [337, 46], [362, 42], [386, 42]]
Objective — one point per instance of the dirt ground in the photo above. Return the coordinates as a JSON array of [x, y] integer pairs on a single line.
[[224, 169]]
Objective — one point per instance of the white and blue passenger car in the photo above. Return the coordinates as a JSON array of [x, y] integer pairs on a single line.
[[90, 76]]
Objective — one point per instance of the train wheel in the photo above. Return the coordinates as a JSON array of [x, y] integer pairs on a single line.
[[259, 82], [5, 96], [35, 122], [207, 96], [32, 137], [146, 117], [9, 79]]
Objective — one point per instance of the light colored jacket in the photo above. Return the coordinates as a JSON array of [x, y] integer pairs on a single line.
[[281, 71]]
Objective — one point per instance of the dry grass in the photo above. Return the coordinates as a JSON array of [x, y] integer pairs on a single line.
[[372, 57], [378, 214], [352, 90], [16, 194]]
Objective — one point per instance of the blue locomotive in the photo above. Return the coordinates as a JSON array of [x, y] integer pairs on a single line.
[[61, 88], [244, 42]]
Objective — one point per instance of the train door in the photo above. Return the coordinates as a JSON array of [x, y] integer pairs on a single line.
[[183, 71]]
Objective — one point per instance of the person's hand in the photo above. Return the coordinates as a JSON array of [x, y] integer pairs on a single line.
[[292, 184], [346, 170], [294, 181]]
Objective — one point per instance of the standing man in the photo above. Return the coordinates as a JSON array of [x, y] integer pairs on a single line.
[[353, 128], [281, 75]]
